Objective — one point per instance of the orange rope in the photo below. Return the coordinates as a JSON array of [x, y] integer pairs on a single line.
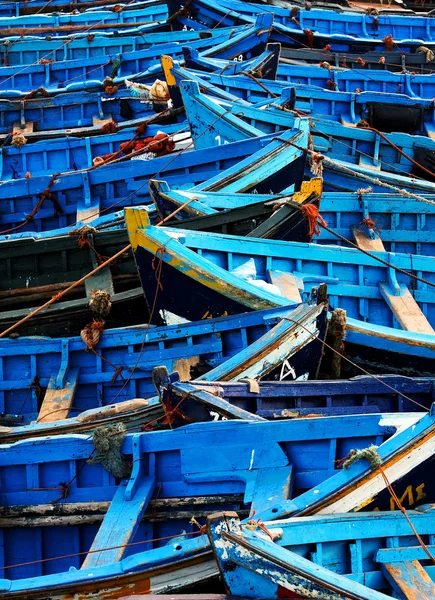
[[311, 213]]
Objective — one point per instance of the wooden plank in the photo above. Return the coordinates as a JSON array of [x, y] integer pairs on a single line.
[[120, 524], [409, 580], [20, 128], [97, 122], [364, 242], [214, 403], [182, 597], [287, 285], [406, 310], [58, 401]]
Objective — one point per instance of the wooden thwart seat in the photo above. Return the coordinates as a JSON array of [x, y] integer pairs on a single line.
[[409, 580], [364, 242], [287, 285], [406, 309], [58, 401]]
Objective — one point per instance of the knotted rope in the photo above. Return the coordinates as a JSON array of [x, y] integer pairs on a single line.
[[370, 454], [100, 303], [91, 334], [83, 240], [388, 42], [18, 140], [427, 51], [108, 443], [311, 213], [310, 37]]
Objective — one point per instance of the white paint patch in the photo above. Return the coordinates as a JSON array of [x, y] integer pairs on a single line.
[[252, 459], [402, 421]]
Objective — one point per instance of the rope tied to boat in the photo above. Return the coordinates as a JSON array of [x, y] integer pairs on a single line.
[[310, 37], [316, 164], [370, 224], [109, 127], [363, 124], [107, 443], [46, 61], [388, 42], [294, 15], [91, 334], [100, 303], [258, 83], [311, 213], [369, 454], [63, 488], [18, 140], [83, 240], [38, 92], [253, 524], [325, 65], [202, 528], [427, 51]]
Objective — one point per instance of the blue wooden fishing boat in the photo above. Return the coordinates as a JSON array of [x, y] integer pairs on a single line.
[[340, 80], [140, 13], [73, 109], [31, 49], [265, 66], [370, 151], [171, 471], [388, 323], [345, 32], [30, 7], [53, 386], [394, 61], [93, 71], [380, 110], [376, 221], [356, 556], [69, 154], [253, 219], [272, 400], [261, 163], [349, 80]]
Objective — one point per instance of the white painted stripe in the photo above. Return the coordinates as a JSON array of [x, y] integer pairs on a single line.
[[178, 579], [369, 489]]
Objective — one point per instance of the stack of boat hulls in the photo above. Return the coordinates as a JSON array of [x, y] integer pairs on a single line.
[[217, 299]]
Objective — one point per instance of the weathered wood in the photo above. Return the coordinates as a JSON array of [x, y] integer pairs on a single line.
[[134, 404], [58, 400], [409, 580], [23, 128], [120, 524], [211, 402], [336, 333], [93, 519], [287, 285], [365, 242], [76, 508], [406, 310], [182, 597]]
